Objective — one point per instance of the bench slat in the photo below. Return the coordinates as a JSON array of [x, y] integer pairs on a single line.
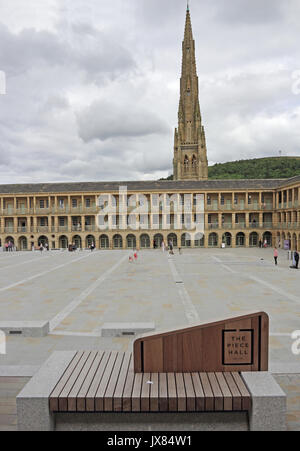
[[208, 394], [53, 399], [200, 399], [181, 393], [136, 393], [99, 397], [227, 396], [128, 389], [145, 395], [246, 397], [81, 396], [90, 397], [172, 392], [218, 395], [236, 395], [72, 397], [190, 393], [154, 394], [63, 397], [118, 395], [163, 392], [108, 397]]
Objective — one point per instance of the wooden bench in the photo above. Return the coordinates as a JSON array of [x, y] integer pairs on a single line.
[[204, 376], [106, 382]]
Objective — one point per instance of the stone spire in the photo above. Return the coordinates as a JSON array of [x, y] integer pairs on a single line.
[[190, 156]]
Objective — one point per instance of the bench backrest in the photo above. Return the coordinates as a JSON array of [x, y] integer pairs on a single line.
[[232, 344]]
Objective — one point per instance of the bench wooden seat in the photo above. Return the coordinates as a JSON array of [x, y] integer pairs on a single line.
[[106, 382]]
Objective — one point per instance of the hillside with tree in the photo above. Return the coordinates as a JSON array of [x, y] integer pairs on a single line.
[[260, 168]]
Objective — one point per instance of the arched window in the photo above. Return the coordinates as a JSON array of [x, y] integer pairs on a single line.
[[42, 240], [227, 239], [118, 242], [186, 240], [267, 237], [104, 242], [172, 239], [158, 239], [186, 163], [90, 240], [199, 240], [131, 242], [240, 239], [253, 240], [213, 240], [63, 242], [23, 243], [145, 241], [77, 241]]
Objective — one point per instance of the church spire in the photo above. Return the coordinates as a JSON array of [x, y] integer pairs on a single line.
[[190, 160]]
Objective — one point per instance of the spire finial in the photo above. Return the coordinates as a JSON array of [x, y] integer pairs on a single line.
[[188, 5]]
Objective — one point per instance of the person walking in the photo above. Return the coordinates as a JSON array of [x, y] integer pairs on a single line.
[[296, 257], [276, 256]]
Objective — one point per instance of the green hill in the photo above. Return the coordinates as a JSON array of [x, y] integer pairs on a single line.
[[260, 168]]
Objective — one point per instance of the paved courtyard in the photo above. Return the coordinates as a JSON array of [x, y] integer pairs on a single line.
[[79, 292]]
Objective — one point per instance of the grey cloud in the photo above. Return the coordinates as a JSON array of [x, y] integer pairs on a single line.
[[95, 96], [250, 12], [104, 120], [83, 48]]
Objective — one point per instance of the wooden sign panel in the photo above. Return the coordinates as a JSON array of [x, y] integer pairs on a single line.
[[232, 344]]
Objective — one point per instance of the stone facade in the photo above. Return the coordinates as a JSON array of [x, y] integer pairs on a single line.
[[239, 213]]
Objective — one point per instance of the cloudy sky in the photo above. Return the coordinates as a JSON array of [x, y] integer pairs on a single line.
[[92, 86]]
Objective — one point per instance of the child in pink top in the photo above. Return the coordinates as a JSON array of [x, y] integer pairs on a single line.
[[276, 256]]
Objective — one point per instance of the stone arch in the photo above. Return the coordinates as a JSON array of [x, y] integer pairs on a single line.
[[158, 239], [186, 240], [145, 241], [186, 163], [23, 243], [10, 239], [227, 239], [199, 240], [172, 237], [77, 240], [213, 240], [117, 242], [43, 240], [89, 241], [131, 241], [240, 239], [63, 242], [253, 239], [104, 242], [268, 237]]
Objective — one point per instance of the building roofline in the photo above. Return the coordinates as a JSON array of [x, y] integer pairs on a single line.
[[148, 185]]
